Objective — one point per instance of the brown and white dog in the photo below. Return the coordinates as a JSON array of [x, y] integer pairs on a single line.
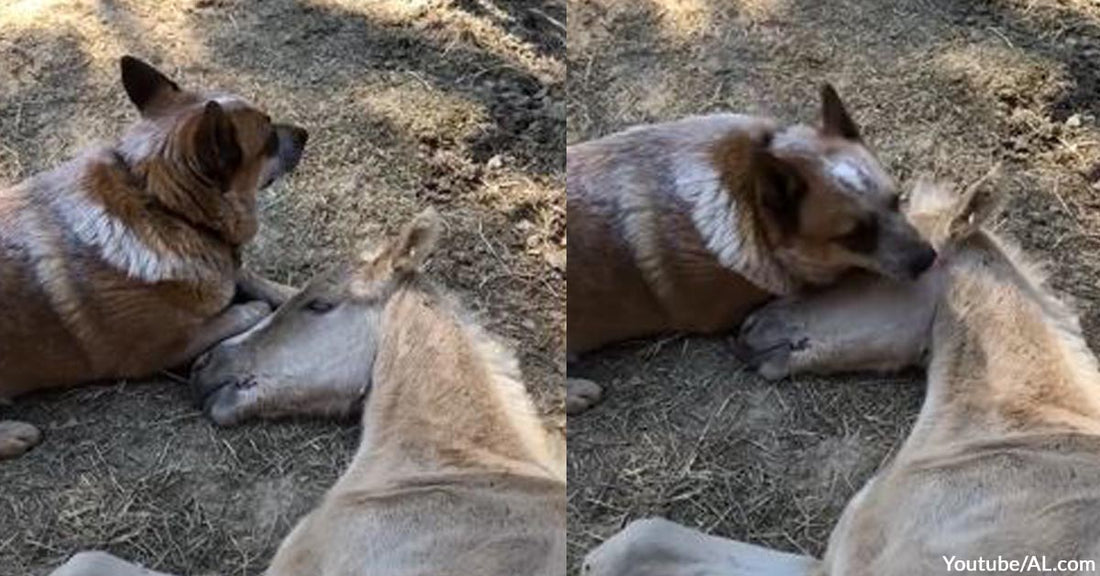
[[125, 260], [689, 225]]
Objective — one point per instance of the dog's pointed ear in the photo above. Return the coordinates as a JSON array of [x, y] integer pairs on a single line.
[[416, 242], [780, 189], [144, 84], [216, 147], [834, 117]]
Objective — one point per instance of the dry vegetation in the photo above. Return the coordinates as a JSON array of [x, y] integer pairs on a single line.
[[941, 87], [458, 104]]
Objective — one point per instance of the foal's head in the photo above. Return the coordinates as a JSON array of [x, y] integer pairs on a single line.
[[315, 354]]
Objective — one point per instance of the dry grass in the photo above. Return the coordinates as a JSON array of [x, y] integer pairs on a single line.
[[452, 103], [942, 87]]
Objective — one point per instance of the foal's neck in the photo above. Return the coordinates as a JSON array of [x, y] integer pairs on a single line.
[[446, 400], [1008, 357]]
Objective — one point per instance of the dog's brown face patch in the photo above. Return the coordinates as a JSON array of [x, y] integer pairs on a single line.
[[204, 156], [829, 206]]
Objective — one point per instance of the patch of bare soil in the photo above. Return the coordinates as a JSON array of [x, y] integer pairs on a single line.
[[457, 104], [940, 87]]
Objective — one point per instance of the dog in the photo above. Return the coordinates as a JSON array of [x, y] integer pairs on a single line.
[[690, 225], [126, 260], [1003, 462]]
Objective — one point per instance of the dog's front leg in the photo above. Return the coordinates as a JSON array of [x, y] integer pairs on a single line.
[[256, 287], [101, 564], [865, 323], [234, 320]]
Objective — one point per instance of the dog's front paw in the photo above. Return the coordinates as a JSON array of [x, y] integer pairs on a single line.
[[769, 340], [16, 438], [249, 314]]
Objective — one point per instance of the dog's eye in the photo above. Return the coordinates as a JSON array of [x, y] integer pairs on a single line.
[[272, 144], [863, 239], [319, 306]]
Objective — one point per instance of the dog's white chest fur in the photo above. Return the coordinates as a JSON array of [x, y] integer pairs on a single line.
[[715, 213], [117, 244]]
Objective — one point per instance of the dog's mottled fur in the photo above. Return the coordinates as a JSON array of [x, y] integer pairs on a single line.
[[125, 260], [455, 474], [689, 225], [1004, 459]]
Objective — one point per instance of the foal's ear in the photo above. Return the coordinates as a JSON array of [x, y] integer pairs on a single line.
[[944, 213], [416, 242], [978, 204]]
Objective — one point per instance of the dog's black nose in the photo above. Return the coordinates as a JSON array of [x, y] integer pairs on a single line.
[[299, 135], [922, 261]]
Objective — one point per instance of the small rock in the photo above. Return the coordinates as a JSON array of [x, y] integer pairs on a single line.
[[495, 163], [1073, 121]]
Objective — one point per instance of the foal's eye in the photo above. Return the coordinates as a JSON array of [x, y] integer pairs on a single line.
[[895, 203], [319, 306]]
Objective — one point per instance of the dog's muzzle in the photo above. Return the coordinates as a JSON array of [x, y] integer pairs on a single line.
[[292, 144]]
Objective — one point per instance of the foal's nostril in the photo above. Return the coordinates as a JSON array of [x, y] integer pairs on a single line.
[[922, 261], [200, 363]]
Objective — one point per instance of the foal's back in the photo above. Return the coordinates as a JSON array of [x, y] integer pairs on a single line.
[[484, 525], [454, 474]]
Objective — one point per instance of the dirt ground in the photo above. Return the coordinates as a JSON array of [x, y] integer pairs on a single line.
[[942, 87], [458, 104]]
